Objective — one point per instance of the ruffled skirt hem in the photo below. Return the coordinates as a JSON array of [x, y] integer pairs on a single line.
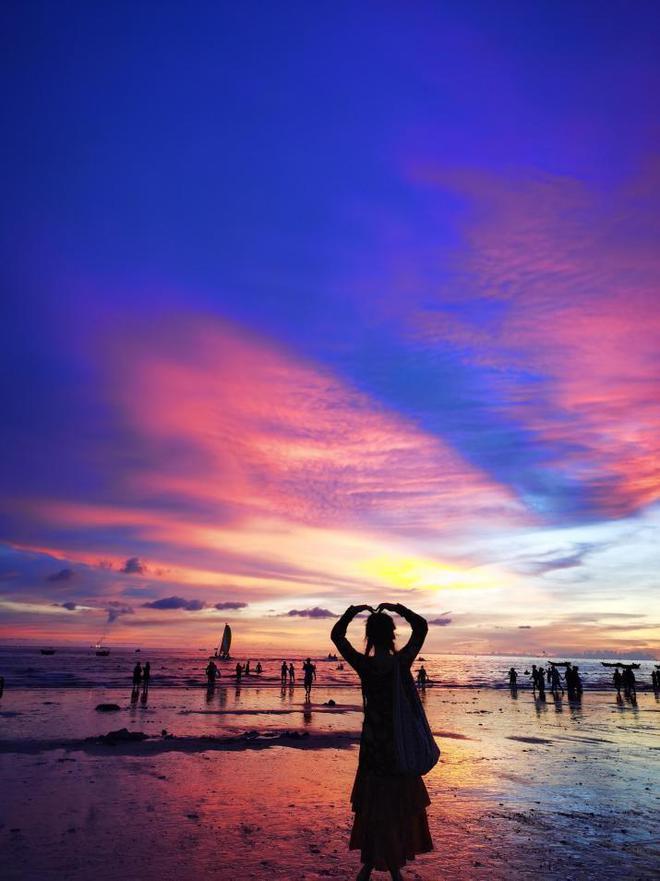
[[390, 826]]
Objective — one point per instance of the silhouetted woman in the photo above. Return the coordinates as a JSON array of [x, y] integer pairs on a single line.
[[390, 824]]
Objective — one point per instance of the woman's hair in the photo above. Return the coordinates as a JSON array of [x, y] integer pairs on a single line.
[[379, 631]]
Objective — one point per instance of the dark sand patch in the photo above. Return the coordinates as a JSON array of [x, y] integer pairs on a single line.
[[453, 735], [272, 712], [528, 739], [250, 740]]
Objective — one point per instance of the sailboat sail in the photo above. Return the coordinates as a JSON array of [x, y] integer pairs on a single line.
[[225, 642]]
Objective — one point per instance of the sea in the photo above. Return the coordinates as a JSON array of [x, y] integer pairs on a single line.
[[68, 667]]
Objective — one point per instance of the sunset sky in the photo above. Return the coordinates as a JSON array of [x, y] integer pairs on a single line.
[[313, 304]]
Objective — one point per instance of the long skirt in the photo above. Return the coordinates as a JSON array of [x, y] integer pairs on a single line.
[[390, 825]]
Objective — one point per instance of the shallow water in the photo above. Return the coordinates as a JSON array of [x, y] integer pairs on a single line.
[[82, 668], [524, 790]]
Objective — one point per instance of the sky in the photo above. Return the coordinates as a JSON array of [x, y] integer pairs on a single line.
[[307, 305]]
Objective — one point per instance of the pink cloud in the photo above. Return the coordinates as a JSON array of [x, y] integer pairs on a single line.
[[576, 273], [229, 420]]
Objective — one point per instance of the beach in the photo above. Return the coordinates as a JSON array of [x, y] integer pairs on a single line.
[[249, 782]]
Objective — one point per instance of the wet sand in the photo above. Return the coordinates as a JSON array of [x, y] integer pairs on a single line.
[[254, 785]]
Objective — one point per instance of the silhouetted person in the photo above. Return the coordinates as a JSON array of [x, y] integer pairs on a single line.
[[513, 678], [292, 674], [390, 824], [212, 673], [535, 678], [309, 670], [137, 675], [577, 681], [2, 685], [630, 683], [617, 681], [146, 676], [239, 672], [247, 668], [422, 677], [538, 681], [555, 681], [655, 681], [569, 677], [284, 672], [258, 668]]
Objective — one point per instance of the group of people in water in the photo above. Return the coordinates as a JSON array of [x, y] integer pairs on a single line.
[[213, 672], [287, 673], [541, 678]]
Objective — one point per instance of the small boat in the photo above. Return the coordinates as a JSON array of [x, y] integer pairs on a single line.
[[222, 651], [102, 653], [560, 663], [620, 664], [47, 651]]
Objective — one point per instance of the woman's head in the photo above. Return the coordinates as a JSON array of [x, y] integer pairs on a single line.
[[379, 632]]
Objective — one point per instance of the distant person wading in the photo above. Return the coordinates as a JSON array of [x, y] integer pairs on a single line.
[[390, 824]]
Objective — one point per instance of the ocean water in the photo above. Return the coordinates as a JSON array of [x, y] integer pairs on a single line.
[[26, 667]]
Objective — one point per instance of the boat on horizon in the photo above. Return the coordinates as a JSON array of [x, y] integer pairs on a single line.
[[47, 651]]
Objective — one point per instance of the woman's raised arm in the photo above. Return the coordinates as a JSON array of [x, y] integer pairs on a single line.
[[338, 636]]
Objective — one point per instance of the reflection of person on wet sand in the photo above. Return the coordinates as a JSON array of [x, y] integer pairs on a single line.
[[137, 679], [390, 825]]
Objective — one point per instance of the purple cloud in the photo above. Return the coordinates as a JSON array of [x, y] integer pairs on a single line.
[[116, 609], [230, 605], [133, 566], [62, 575], [440, 622], [316, 612], [175, 603]]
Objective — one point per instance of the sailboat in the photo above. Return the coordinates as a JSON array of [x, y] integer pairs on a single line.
[[222, 651]]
